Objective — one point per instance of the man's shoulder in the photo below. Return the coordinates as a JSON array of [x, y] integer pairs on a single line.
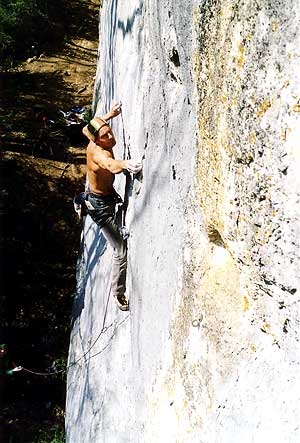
[[94, 149], [99, 155]]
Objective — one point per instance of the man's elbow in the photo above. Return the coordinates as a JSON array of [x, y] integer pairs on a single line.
[[115, 170], [115, 167]]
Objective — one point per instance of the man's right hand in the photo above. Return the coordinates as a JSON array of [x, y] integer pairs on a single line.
[[133, 166]]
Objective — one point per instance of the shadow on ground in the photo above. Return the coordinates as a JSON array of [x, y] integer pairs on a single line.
[[45, 28], [81, 22], [31, 119], [41, 167]]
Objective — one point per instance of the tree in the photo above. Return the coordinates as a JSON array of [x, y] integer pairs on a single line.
[[23, 26]]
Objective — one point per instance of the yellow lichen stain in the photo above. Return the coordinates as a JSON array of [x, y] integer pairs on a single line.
[[241, 56], [223, 98], [196, 64], [249, 158], [283, 135], [296, 108], [275, 25], [170, 391], [246, 304], [286, 84], [196, 15], [227, 100], [224, 141], [226, 11], [253, 348], [262, 237], [252, 138], [234, 101], [266, 327], [263, 108]]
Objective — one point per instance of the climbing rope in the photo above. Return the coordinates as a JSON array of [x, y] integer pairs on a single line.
[[128, 180], [66, 370], [126, 156], [61, 371]]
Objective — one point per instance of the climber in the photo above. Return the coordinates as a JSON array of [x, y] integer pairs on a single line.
[[101, 197]]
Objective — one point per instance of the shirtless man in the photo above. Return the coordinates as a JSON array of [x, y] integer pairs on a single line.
[[102, 197]]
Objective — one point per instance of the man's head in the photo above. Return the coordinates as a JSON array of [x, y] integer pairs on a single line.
[[99, 131]]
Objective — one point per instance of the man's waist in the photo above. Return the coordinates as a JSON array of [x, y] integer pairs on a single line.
[[112, 195], [100, 194]]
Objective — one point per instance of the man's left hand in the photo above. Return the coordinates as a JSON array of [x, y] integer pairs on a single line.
[[115, 110], [133, 166]]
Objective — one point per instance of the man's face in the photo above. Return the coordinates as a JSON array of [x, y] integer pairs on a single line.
[[106, 138]]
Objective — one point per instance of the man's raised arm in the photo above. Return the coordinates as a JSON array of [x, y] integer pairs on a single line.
[[114, 112]]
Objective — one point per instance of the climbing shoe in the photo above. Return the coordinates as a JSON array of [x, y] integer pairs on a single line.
[[122, 302]]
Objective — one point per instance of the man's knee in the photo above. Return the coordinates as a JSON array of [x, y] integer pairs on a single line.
[[120, 249]]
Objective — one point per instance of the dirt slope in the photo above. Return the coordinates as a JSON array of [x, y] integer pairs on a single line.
[[42, 164]]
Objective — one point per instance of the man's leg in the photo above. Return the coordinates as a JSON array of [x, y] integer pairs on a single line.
[[119, 266]]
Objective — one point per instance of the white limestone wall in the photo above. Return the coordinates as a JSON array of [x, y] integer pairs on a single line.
[[209, 351]]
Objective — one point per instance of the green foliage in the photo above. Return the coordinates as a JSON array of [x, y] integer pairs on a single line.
[[53, 435], [60, 365], [87, 114], [23, 24]]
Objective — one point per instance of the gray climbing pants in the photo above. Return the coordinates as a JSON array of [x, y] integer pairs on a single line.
[[103, 213]]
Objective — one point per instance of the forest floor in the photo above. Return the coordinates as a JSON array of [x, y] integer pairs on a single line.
[[42, 167], [37, 90]]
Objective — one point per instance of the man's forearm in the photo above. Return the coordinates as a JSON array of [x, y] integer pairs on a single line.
[[116, 166], [107, 116], [113, 112]]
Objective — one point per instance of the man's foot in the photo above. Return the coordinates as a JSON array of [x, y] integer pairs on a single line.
[[122, 302]]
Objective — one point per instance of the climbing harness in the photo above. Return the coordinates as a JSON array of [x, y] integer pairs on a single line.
[[80, 201]]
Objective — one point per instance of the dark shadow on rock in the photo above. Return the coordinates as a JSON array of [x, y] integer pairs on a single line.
[[126, 27], [111, 52], [88, 259]]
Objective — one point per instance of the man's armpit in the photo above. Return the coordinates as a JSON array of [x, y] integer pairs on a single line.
[[103, 160]]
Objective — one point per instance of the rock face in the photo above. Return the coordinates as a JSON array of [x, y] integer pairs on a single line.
[[209, 351]]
